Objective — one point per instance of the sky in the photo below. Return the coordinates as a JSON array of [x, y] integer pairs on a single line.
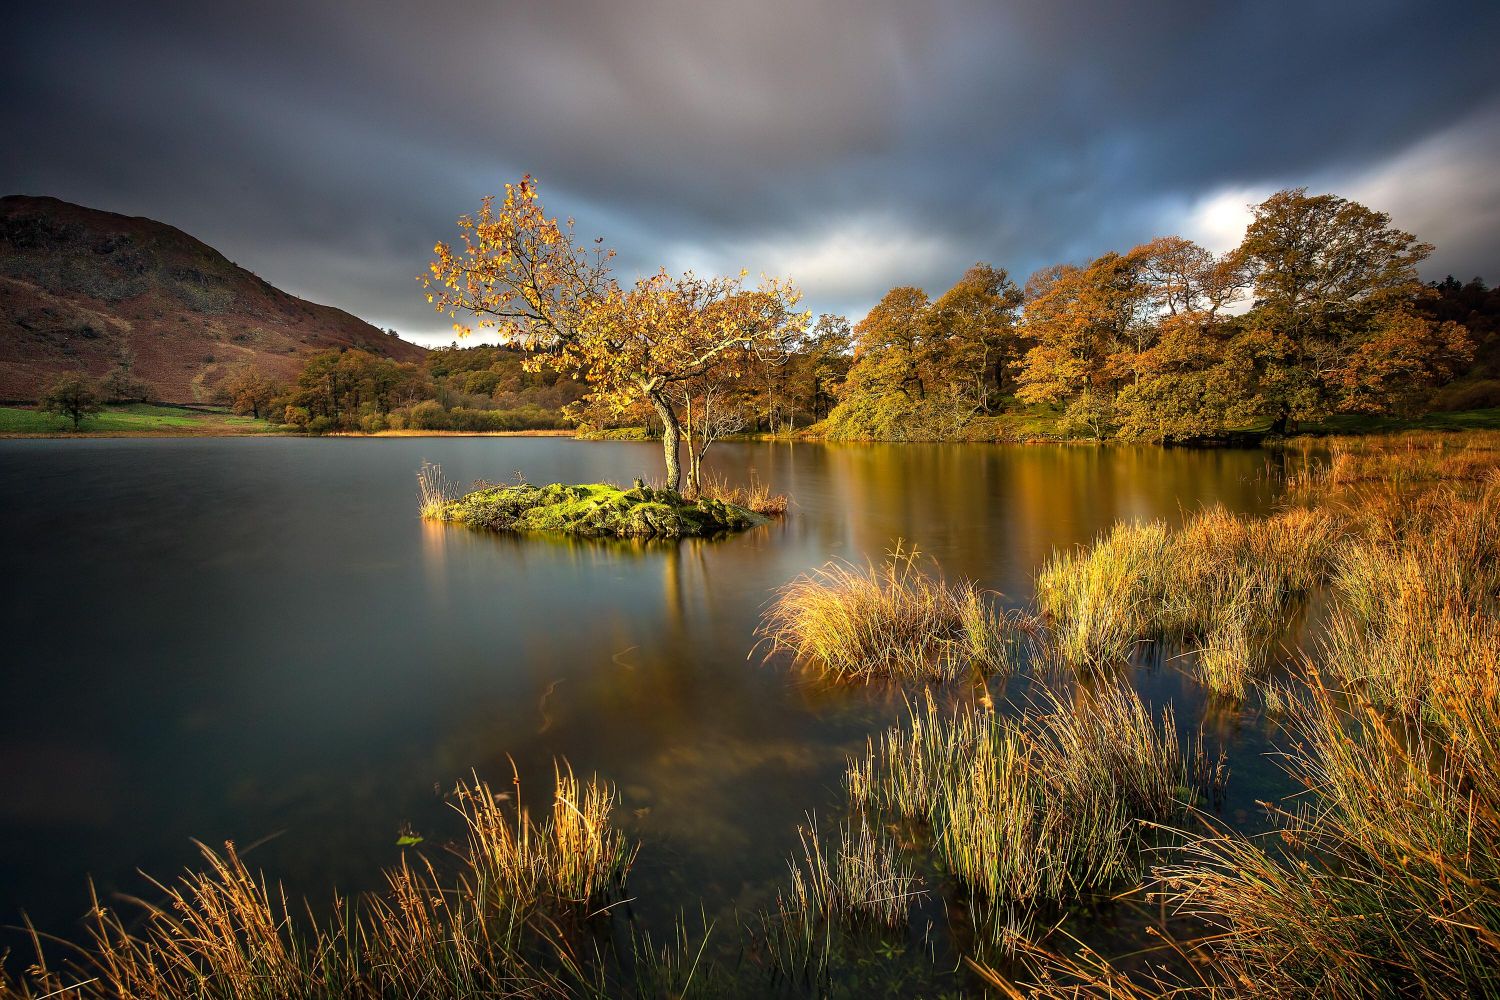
[[851, 146]]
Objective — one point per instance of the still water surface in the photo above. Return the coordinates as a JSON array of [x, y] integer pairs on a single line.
[[258, 640]]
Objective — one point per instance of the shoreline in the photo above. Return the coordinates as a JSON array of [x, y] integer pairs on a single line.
[[220, 433]]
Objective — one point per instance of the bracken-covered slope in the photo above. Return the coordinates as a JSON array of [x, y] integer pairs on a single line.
[[81, 288]]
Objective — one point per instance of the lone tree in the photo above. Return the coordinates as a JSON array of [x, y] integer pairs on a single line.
[[1336, 287], [72, 396], [524, 275], [251, 390]]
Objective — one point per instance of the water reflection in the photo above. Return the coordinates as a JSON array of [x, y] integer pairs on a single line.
[[271, 642]]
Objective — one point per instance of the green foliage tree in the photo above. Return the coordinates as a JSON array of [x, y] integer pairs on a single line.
[[74, 397], [974, 335], [1327, 273], [343, 386]]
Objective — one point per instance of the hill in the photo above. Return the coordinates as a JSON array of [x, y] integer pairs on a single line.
[[81, 289]]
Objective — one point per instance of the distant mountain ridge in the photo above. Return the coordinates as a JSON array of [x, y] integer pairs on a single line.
[[80, 289]]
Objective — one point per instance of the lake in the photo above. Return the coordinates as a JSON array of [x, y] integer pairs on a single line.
[[257, 639]]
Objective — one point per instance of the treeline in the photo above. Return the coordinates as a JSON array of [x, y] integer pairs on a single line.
[[1318, 311], [455, 389]]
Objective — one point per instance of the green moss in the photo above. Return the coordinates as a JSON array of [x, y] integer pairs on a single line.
[[596, 510]]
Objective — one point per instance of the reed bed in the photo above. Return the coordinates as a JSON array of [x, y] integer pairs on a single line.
[[494, 927], [1099, 599], [1416, 624], [892, 620], [1383, 877], [1412, 458], [1042, 807], [1395, 887], [1222, 582]]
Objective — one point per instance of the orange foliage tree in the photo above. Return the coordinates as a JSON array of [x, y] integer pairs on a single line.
[[524, 275]]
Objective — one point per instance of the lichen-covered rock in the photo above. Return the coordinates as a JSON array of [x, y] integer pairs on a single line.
[[597, 510]]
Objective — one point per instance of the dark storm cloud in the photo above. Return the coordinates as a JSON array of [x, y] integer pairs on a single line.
[[851, 145]]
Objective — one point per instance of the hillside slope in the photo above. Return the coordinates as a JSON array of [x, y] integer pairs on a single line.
[[81, 288]]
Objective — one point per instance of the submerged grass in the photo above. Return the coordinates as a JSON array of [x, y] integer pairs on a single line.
[[1383, 879], [859, 877], [1395, 887], [1405, 460], [892, 620]]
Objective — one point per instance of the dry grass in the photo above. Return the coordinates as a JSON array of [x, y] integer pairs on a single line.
[[1043, 807], [892, 620], [1397, 889], [1384, 880], [492, 928], [756, 497], [1384, 876], [1416, 626], [1099, 599], [1224, 580], [434, 492], [859, 877], [1398, 460]]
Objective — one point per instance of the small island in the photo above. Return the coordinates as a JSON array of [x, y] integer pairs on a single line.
[[593, 510]]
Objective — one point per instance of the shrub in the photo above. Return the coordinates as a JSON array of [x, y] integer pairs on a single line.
[[864, 622]]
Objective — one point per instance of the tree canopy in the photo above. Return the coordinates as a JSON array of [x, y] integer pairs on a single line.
[[525, 275]]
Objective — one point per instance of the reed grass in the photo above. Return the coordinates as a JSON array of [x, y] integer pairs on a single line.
[[1416, 624], [756, 497], [434, 492], [1223, 583], [892, 620], [859, 877], [1099, 599], [1041, 807], [1412, 458], [1383, 877], [493, 927], [1395, 884], [1383, 880]]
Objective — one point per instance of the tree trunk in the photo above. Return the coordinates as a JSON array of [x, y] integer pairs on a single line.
[[671, 438]]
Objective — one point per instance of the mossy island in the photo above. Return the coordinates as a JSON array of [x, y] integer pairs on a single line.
[[591, 510]]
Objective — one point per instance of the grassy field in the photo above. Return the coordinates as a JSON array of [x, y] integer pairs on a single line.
[[1464, 420], [132, 418]]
